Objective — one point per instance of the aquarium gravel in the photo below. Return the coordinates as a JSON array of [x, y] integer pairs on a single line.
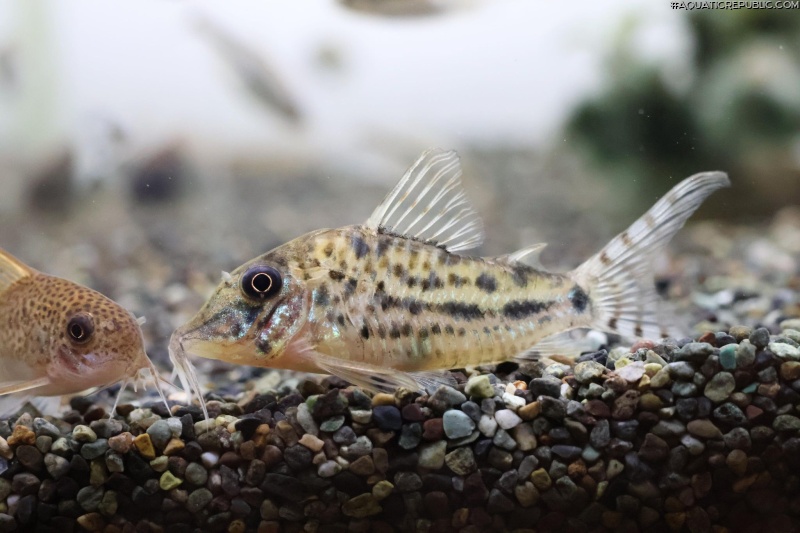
[[691, 435]]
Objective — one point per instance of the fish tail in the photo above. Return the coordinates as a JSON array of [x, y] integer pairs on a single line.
[[619, 278]]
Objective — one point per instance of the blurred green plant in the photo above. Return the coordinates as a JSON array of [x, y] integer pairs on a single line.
[[739, 111]]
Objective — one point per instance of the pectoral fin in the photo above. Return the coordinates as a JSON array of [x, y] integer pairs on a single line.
[[371, 377], [10, 387]]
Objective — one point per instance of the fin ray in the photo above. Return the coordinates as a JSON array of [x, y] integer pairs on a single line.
[[619, 277], [429, 204], [372, 377], [11, 270]]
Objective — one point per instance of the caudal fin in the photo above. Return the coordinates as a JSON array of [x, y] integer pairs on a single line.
[[619, 277]]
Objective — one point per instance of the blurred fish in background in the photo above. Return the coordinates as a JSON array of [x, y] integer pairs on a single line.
[[255, 74]]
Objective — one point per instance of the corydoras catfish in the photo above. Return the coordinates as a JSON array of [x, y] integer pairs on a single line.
[[58, 337], [383, 303]]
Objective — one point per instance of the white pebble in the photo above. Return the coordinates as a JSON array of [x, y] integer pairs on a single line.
[[209, 459], [513, 402], [507, 419], [487, 426]]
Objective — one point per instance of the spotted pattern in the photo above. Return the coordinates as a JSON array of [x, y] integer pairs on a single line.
[[423, 308], [34, 314]]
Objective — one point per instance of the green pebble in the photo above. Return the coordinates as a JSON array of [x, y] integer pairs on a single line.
[[108, 505], [160, 463], [479, 387], [750, 388], [83, 433], [622, 362], [169, 481], [727, 356], [382, 489], [786, 423]]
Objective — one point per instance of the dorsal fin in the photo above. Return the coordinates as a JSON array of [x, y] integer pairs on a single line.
[[530, 255], [429, 204], [11, 270]]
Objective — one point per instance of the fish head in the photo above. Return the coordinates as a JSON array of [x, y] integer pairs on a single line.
[[254, 315], [94, 341]]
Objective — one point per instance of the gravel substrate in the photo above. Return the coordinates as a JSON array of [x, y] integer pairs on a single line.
[[691, 435]]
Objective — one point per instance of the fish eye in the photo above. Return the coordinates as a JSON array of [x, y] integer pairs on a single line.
[[261, 282], [80, 327]]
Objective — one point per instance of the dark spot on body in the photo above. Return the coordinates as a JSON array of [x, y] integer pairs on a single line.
[[414, 307], [406, 330], [336, 275], [486, 282], [579, 298], [519, 309], [436, 330], [394, 333], [360, 247], [398, 270], [412, 282], [519, 273], [350, 287], [380, 287], [388, 302], [613, 323], [365, 332], [381, 247], [340, 320], [423, 333], [328, 250], [449, 330], [460, 310], [462, 332], [381, 331], [638, 330], [487, 330], [263, 345]]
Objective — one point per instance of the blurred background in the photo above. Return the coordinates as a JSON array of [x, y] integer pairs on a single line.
[[147, 145]]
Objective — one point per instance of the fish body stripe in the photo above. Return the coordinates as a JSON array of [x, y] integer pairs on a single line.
[[422, 307]]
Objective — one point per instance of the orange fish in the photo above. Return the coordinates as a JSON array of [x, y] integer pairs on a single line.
[[58, 337]]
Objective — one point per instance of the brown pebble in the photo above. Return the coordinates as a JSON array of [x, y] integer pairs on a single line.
[[737, 462], [433, 429], [381, 459], [121, 443], [708, 337], [790, 370], [247, 450], [92, 522], [311, 442], [272, 456], [174, 446], [597, 408], [383, 398], [770, 390], [704, 428], [576, 469], [363, 466], [625, 405], [521, 385], [530, 411], [21, 435], [642, 345], [753, 412]]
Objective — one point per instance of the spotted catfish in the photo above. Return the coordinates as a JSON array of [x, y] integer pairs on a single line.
[[381, 304], [58, 337]]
